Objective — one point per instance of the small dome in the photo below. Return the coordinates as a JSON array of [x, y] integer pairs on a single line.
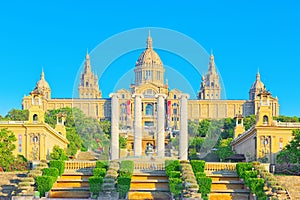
[[258, 84], [42, 83], [149, 56]]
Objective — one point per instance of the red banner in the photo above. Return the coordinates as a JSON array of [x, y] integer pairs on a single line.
[[169, 108], [128, 107]]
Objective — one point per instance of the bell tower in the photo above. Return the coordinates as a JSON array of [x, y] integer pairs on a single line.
[[88, 87], [210, 85]]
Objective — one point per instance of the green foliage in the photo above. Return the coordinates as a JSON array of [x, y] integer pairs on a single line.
[[224, 149], [58, 153], [95, 184], [102, 164], [19, 164], [198, 165], [204, 185], [44, 184], [249, 121], [256, 185], [200, 174], [59, 164], [176, 186], [51, 171], [197, 143], [282, 118], [241, 168], [7, 139], [123, 186], [171, 165], [124, 179], [174, 174], [228, 128], [17, 115], [203, 128], [250, 174], [291, 153], [122, 142], [75, 141], [99, 172], [105, 126]]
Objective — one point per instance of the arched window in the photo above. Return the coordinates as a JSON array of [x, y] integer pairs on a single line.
[[149, 109], [265, 119], [35, 117], [86, 84]]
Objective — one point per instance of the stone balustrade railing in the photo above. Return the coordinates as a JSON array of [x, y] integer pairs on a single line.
[[149, 165], [75, 165], [216, 166]]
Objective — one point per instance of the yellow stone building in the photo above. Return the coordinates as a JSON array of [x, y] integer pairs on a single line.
[[264, 140], [149, 81], [35, 138]]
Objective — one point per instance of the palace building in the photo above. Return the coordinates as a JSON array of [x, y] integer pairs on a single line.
[[149, 81]]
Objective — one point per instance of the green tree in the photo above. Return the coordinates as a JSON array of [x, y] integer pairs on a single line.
[[7, 139], [291, 152], [58, 154], [17, 115], [228, 128], [105, 126], [286, 118], [224, 149], [75, 142], [203, 128], [249, 121], [122, 142]]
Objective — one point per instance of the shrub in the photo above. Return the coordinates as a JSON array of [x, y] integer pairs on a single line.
[[52, 171], [95, 184], [99, 172], [127, 164], [200, 174], [198, 165], [59, 164], [174, 174], [44, 184], [256, 185], [175, 186], [171, 165], [250, 174], [204, 185], [242, 167], [123, 186], [102, 164]]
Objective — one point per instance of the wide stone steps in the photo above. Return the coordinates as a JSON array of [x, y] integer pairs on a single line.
[[227, 187], [71, 185]]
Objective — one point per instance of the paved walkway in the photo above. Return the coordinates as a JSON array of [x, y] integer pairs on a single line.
[[9, 183]]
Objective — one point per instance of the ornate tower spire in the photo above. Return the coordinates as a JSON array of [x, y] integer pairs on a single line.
[[210, 85], [149, 41], [89, 87]]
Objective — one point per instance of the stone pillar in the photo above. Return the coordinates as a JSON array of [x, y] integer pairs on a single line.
[[160, 128], [137, 125], [183, 137], [114, 141]]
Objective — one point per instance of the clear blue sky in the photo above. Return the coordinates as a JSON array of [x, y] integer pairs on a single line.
[[244, 35]]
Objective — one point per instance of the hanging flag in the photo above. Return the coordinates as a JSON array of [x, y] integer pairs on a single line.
[[128, 107], [169, 108]]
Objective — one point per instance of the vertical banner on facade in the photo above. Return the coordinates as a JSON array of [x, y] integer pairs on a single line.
[[169, 112], [128, 108], [20, 143]]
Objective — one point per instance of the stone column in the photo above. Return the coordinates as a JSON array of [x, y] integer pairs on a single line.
[[160, 127], [137, 125], [114, 141], [183, 137]]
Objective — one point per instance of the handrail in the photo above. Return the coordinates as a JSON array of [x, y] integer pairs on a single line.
[[149, 165], [75, 165], [217, 166]]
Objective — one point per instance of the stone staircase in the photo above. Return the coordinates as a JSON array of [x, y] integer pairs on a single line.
[[227, 187], [149, 184], [292, 184], [9, 184], [71, 185]]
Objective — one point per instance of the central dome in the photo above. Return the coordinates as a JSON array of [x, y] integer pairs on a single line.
[[149, 56]]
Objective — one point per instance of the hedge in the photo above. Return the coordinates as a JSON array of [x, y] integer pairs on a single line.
[[99, 172], [102, 164], [59, 164], [51, 171], [95, 184], [175, 186], [241, 168], [256, 185], [44, 184], [171, 165], [174, 174], [204, 185], [200, 174], [250, 174], [123, 186], [198, 165], [124, 179]]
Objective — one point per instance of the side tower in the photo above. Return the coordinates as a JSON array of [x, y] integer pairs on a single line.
[[88, 87], [210, 86]]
